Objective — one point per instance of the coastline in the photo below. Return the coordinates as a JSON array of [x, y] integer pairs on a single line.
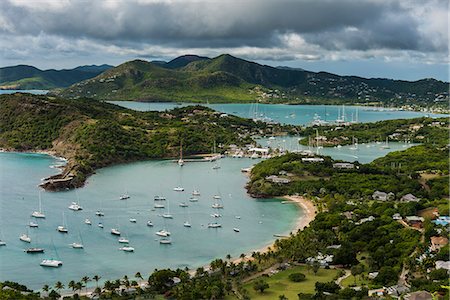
[[309, 214]]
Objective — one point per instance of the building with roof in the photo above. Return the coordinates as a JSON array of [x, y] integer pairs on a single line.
[[437, 242]]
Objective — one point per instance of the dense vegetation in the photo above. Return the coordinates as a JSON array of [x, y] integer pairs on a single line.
[[229, 79], [94, 134], [419, 130], [27, 77]]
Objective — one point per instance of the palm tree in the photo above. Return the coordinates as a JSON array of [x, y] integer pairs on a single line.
[[59, 286], [46, 288], [85, 279], [228, 256], [79, 286], [138, 276], [242, 256], [96, 278], [71, 285]]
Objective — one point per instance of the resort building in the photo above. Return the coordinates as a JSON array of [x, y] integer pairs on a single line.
[[312, 159], [415, 221], [421, 295], [382, 196], [442, 264], [276, 179], [343, 166], [409, 198]]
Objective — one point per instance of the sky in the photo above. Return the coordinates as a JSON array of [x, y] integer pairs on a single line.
[[400, 39]]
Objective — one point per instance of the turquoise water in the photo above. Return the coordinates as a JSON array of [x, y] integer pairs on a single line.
[[291, 114], [192, 247], [36, 92]]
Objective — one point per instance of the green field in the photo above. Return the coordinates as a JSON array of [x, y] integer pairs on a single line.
[[279, 284]]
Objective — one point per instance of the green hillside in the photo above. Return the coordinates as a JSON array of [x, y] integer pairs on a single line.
[[93, 134], [29, 77], [229, 79]]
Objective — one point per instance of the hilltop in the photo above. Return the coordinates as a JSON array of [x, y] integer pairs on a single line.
[[28, 77], [93, 134], [226, 78]]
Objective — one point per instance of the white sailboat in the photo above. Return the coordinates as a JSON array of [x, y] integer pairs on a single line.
[[39, 214], [235, 229], [167, 214], [123, 240], [180, 160], [214, 225], [24, 237], [159, 198], [165, 241], [178, 189], [193, 199], [127, 248], [163, 233], [115, 231], [75, 206], [99, 213], [133, 220], [124, 196], [100, 225], [149, 223], [33, 224], [195, 193], [62, 228], [355, 144], [78, 245], [51, 262], [87, 221], [183, 204], [157, 205], [386, 146], [187, 223]]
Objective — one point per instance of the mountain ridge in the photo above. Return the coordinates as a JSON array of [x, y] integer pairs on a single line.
[[30, 77], [226, 78]]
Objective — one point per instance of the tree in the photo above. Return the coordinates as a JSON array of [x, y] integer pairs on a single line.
[[282, 297], [297, 277], [85, 279], [54, 295], [96, 279], [315, 266], [357, 270], [260, 285], [228, 257], [59, 286], [46, 288], [138, 276], [71, 285]]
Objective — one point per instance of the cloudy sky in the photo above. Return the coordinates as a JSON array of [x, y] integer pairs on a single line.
[[406, 39]]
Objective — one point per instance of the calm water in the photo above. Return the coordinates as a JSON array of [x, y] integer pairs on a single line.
[[36, 92], [291, 114], [192, 247]]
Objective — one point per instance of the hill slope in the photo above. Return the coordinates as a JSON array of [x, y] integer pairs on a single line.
[[228, 79], [29, 77], [93, 134]]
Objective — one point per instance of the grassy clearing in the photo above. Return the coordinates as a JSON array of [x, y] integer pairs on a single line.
[[279, 284]]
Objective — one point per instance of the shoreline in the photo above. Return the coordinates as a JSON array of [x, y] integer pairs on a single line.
[[309, 214]]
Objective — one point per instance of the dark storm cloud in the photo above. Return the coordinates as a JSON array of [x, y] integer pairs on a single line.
[[202, 24]]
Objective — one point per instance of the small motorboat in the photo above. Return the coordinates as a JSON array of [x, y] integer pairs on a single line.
[[236, 229], [127, 249]]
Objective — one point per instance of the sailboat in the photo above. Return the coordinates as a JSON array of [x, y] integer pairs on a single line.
[[167, 215], [62, 228], [87, 222], [33, 224], [124, 196], [187, 223], [195, 193], [39, 213], [386, 146], [35, 249], [2, 242], [123, 240], [78, 245], [127, 248], [178, 189], [165, 241], [181, 161], [159, 198], [183, 204], [157, 205], [24, 237], [355, 144], [51, 262], [99, 213]]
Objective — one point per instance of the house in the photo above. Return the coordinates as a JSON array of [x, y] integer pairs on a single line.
[[382, 196], [396, 216], [364, 220], [421, 295], [372, 275], [348, 214], [437, 242], [409, 198], [397, 290], [343, 166], [442, 264], [414, 221], [276, 179], [312, 159]]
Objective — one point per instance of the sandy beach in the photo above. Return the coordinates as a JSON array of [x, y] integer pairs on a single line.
[[309, 213]]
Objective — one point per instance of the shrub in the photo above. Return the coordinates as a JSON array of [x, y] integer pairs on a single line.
[[297, 277]]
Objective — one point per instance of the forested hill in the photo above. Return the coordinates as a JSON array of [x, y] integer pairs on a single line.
[[93, 134], [28, 77], [229, 79]]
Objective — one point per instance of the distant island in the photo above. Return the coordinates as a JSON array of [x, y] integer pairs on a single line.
[[23, 77], [227, 78]]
